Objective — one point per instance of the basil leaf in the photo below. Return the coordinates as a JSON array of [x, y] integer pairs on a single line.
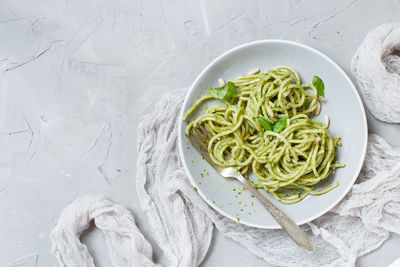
[[231, 89], [264, 123], [319, 85], [280, 124], [224, 92]]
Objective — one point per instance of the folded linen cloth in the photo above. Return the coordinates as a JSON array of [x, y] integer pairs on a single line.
[[183, 223]]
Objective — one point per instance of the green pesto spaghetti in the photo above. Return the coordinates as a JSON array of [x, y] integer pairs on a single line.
[[264, 127]]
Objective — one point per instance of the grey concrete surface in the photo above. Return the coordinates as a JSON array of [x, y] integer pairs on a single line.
[[77, 74]]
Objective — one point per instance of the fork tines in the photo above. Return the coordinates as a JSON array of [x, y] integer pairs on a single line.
[[199, 137]]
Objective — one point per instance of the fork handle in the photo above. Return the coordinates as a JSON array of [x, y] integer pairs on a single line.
[[293, 230]]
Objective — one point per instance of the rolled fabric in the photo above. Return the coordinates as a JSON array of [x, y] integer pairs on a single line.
[[127, 245], [376, 67]]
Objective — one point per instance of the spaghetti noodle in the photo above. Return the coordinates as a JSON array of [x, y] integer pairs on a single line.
[[289, 159]]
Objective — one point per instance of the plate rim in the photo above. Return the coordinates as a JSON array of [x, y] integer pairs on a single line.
[[226, 53]]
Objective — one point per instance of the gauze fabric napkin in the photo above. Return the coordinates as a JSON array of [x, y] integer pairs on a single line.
[[376, 67], [183, 223]]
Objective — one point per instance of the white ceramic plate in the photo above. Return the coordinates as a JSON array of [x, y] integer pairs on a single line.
[[342, 103]]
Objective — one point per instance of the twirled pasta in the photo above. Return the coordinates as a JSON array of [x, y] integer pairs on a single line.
[[287, 164]]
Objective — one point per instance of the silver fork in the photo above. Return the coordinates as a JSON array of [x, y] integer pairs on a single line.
[[199, 137]]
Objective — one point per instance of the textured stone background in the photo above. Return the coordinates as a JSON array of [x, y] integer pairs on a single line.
[[77, 74]]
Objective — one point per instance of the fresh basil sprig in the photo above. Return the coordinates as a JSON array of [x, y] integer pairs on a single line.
[[319, 85], [224, 92], [264, 123], [280, 124], [276, 127]]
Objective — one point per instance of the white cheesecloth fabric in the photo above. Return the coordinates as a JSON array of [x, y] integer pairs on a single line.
[[126, 243], [183, 223], [376, 67]]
